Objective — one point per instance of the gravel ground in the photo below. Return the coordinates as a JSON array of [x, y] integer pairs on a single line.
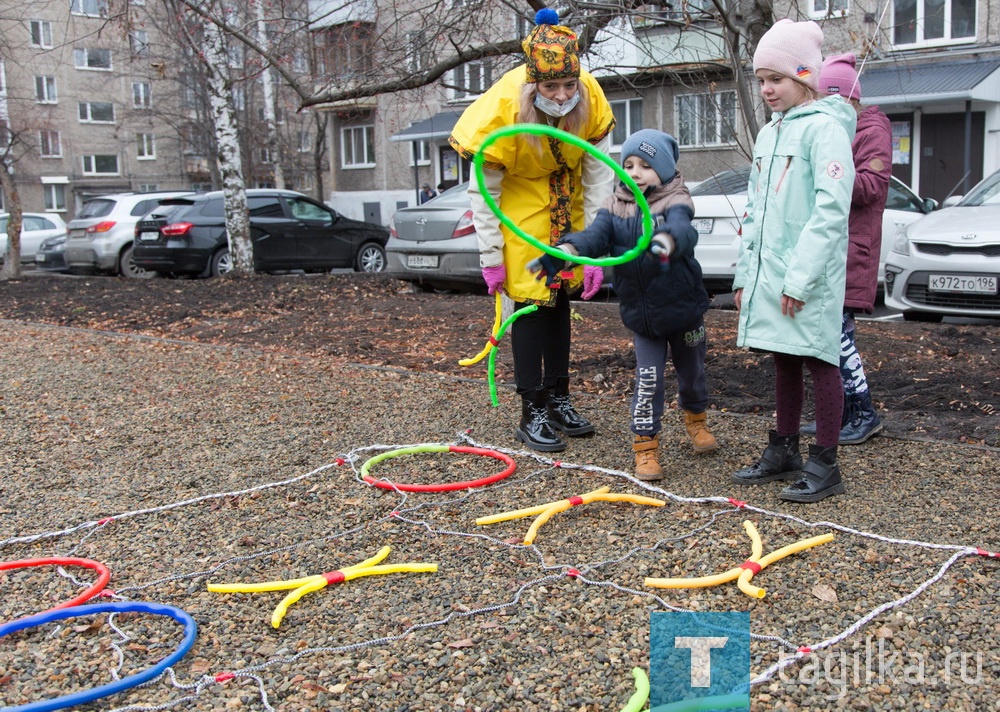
[[208, 463]]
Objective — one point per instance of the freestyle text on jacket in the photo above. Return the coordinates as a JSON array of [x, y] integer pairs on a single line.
[[795, 232], [653, 302], [872, 148]]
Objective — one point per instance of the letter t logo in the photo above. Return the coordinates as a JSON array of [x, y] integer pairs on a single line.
[[701, 657]]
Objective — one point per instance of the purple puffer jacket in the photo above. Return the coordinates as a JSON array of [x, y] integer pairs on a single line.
[[872, 150]]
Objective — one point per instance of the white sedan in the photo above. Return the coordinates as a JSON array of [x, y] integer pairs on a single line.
[[948, 263], [35, 229], [719, 206]]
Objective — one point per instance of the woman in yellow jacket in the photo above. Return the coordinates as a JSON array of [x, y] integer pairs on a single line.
[[549, 189]]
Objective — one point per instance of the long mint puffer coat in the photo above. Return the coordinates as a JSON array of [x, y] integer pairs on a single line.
[[795, 231]]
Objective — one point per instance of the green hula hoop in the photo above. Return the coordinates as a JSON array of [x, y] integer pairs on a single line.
[[565, 136], [491, 372], [638, 699]]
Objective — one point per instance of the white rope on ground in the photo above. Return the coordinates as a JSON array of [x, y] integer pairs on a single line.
[[402, 514]]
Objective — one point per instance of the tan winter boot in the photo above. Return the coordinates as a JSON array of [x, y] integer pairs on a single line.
[[698, 433], [647, 463]]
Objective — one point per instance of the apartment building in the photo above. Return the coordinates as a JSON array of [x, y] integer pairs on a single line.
[[98, 103], [933, 66]]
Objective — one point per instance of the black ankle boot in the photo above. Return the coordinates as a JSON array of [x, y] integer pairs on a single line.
[[562, 415], [781, 461], [534, 429], [820, 477]]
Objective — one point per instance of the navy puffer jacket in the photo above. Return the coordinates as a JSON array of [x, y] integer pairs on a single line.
[[654, 302]]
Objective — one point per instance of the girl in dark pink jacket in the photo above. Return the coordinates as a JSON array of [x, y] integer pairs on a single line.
[[872, 148]]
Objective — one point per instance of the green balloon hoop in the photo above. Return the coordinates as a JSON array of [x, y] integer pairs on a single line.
[[565, 136]]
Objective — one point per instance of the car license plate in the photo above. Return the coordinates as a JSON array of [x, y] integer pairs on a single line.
[[965, 284], [148, 235], [421, 260], [703, 225], [39, 257]]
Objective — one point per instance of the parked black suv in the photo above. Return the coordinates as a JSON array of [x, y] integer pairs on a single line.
[[290, 231]]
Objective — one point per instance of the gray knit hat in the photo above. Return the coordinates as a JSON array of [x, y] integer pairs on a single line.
[[656, 148]]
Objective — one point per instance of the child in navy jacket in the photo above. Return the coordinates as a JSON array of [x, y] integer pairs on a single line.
[[661, 295]]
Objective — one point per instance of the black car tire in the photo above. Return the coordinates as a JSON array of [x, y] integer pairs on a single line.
[[370, 258], [221, 263], [925, 317], [128, 268]]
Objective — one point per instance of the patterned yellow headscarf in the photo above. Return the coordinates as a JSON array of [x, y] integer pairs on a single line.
[[551, 49]]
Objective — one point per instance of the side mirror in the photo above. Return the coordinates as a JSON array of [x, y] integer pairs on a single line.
[[930, 205], [952, 200]]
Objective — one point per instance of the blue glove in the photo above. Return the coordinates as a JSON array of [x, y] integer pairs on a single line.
[[547, 266]]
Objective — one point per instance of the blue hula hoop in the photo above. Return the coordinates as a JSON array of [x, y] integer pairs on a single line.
[[79, 698]]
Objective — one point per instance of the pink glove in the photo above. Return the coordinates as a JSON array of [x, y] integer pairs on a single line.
[[495, 277], [593, 278]]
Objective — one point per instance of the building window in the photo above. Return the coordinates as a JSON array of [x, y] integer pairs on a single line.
[[346, 51], [300, 61], [85, 58], [45, 90], [91, 8], [97, 112], [148, 187], [304, 141], [49, 145], [41, 33], [628, 119], [933, 22], [55, 197], [706, 119], [100, 165], [471, 79], [357, 147], [139, 43], [142, 95], [279, 115], [423, 152], [818, 9], [417, 57], [145, 148], [264, 155], [239, 98]]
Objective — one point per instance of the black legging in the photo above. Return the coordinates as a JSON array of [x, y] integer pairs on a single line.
[[541, 336]]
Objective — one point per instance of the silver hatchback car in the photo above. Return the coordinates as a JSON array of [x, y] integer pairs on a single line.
[[100, 237]]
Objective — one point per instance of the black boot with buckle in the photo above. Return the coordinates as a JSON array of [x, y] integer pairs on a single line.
[[562, 415], [534, 429], [780, 461], [820, 477]]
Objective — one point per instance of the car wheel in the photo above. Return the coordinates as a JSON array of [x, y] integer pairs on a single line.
[[371, 258], [128, 268], [222, 263], [926, 317]]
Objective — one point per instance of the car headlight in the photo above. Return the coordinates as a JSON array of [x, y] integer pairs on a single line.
[[53, 242], [901, 245]]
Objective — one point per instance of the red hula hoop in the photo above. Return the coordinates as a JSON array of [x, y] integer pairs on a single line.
[[452, 486], [103, 575]]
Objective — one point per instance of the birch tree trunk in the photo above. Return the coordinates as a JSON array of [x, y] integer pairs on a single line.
[[270, 119], [12, 260], [229, 158]]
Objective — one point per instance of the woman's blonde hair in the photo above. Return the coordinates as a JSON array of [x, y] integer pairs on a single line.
[[573, 122]]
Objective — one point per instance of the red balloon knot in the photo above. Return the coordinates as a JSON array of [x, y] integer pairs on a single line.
[[106, 593], [557, 464], [805, 650], [990, 554], [340, 462], [223, 676], [334, 577], [575, 500], [393, 514], [751, 566], [738, 503], [104, 521], [468, 430], [493, 341], [572, 573]]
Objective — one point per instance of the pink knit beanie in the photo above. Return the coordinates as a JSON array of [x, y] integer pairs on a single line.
[[793, 49], [838, 76]]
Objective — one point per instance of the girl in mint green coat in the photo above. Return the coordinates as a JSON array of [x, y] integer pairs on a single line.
[[791, 272]]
